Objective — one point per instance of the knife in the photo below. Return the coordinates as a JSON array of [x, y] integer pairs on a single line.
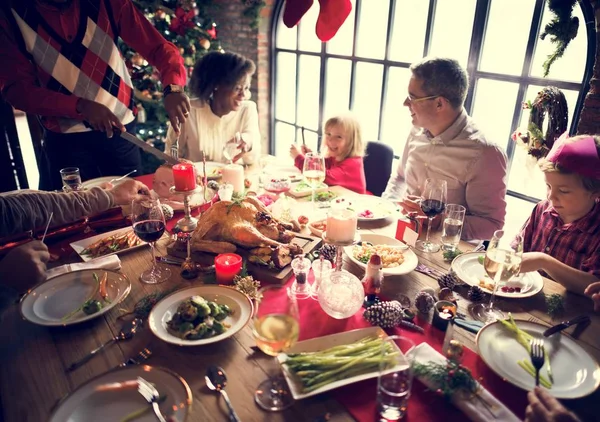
[[149, 148], [565, 324]]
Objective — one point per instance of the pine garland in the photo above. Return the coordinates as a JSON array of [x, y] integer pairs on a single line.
[[555, 304], [449, 379], [562, 29]]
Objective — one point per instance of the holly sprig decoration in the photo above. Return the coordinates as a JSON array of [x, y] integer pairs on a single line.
[[449, 379], [449, 255]]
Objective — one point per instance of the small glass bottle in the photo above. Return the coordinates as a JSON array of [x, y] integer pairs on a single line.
[[300, 288], [372, 281]]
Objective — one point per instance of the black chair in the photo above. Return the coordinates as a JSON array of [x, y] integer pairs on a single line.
[[378, 166]]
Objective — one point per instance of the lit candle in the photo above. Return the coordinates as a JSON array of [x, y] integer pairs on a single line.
[[443, 313], [341, 225], [234, 175], [184, 176], [227, 266]]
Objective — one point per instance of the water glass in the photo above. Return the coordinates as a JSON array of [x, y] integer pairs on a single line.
[[71, 179], [395, 378], [321, 269], [454, 218]]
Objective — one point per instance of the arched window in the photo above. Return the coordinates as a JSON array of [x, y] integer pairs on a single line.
[[365, 68]]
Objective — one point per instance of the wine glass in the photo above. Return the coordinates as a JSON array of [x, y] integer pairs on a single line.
[[149, 225], [502, 262], [314, 171], [275, 328], [433, 203]]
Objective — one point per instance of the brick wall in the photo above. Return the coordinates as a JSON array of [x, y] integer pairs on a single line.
[[237, 36]]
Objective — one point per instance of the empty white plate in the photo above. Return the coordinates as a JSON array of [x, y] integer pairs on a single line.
[[50, 302]]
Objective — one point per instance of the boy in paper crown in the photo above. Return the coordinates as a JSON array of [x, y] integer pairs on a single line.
[[561, 238]]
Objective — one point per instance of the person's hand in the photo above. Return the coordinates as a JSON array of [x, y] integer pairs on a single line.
[[128, 190], [294, 151], [177, 105], [25, 266], [411, 205], [99, 116], [545, 408], [239, 144], [305, 150], [532, 261], [593, 291]]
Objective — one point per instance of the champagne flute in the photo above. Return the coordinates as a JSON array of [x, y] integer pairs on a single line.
[[314, 171], [502, 262], [149, 225], [275, 328], [433, 203]]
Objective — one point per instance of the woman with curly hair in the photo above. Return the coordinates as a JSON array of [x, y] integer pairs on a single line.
[[220, 108]]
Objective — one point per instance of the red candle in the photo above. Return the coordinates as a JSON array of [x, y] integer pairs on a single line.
[[184, 176], [227, 266]]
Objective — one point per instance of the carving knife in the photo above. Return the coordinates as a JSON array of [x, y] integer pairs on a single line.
[[565, 324], [149, 148]]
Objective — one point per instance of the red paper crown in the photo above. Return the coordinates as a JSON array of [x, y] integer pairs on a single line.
[[579, 157]]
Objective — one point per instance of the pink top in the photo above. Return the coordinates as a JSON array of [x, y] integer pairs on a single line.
[[349, 173]]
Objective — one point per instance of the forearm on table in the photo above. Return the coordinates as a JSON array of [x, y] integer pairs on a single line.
[[573, 279], [27, 210], [395, 189]]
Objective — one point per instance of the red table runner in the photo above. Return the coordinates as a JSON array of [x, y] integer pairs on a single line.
[[360, 398]]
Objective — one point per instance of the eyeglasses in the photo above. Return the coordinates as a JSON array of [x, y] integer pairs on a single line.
[[412, 99]]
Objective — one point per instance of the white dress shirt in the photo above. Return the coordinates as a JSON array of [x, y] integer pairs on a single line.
[[474, 169]]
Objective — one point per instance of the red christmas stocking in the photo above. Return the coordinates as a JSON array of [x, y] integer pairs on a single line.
[[332, 15], [294, 10]]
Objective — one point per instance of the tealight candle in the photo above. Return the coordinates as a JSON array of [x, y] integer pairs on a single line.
[[227, 266], [234, 175], [444, 312], [184, 176], [341, 225]]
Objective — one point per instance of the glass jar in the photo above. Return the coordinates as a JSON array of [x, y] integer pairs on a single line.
[[341, 294]]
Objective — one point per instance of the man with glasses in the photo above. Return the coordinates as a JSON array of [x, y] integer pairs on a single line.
[[445, 143]]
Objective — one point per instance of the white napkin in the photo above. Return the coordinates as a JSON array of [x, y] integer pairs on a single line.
[[474, 408], [111, 262]]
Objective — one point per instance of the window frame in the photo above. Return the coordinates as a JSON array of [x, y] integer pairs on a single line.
[[482, 9]]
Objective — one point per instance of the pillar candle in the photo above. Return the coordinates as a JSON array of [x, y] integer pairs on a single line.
[[341, 225], [227, 266], [184, 176], [234, 175]]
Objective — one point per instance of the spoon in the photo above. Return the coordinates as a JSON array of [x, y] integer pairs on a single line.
[[122, 177], [216, 380], [127, 331]]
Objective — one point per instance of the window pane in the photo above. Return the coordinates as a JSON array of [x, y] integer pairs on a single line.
[[337, 87], [284, 137], [571, 65], [367, 98], [496, 56], [285, 37], [410, 21], [396, 119], [285, 87], [372, 28], [456, 18], [308, 40], [493, 109], [310, 137], [341, 43], [308, 92]]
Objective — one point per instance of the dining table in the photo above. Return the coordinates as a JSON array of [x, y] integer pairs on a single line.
[[33, 376]]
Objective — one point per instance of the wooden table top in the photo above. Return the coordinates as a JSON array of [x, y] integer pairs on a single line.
[[34, 358]]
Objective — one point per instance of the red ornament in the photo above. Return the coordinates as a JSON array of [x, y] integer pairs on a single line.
[[182, 21], [212, 31]]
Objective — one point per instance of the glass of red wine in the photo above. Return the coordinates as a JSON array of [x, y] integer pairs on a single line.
[[433, 203], [149, 225]]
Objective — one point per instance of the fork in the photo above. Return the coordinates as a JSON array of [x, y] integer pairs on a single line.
[[549, 367], [537, 357], [150, 393], [117, 179], [142, 356]]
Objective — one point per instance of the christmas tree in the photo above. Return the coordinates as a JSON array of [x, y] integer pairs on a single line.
[[188, 25]]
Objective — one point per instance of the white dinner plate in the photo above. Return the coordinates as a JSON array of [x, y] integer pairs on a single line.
[[92, 403], [81, 245], [291, 172], [213, 169], [322, 343], [49, 302], [410, 258], [468, 269], [164, 310], [88, 184], [576, 373], [367, 207]]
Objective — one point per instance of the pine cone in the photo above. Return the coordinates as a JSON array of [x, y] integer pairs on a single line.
[[167, 211], [384, 314], [424, 302], [328, 252], [448, 280], [475, 294]]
